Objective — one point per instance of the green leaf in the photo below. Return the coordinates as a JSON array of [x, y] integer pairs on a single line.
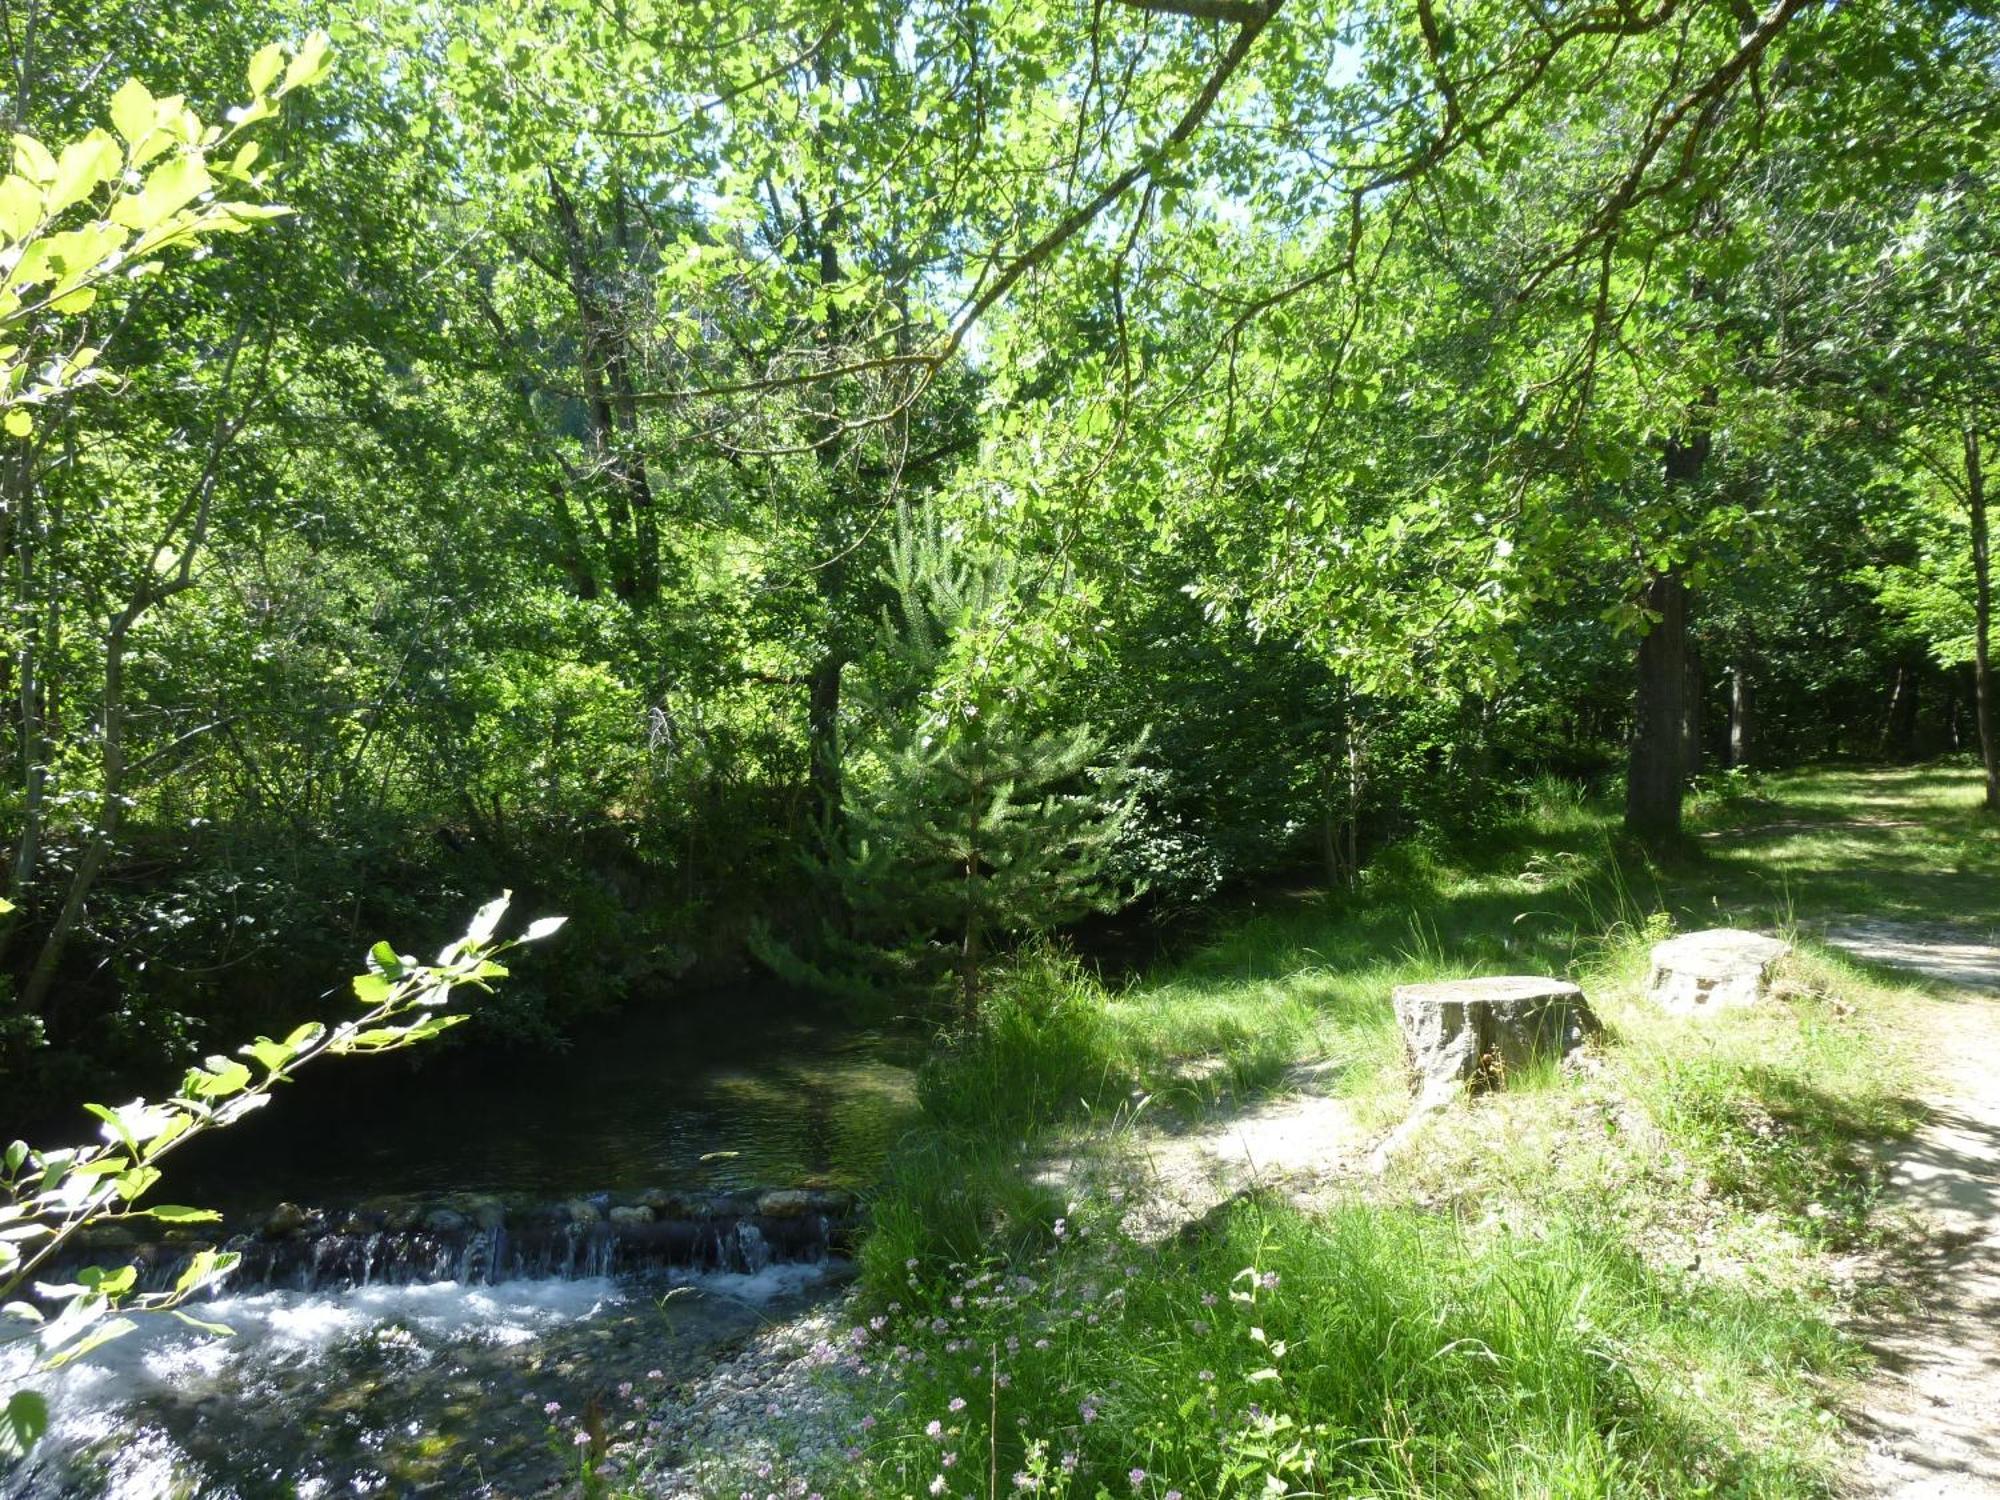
[[273, 1055], [103, 1333], [205, 1266], [132, 110], [19, 424], [32, 160], [543, 927], [169, 187], [382, 959], [486, 921], [309, 66], [109, 1283], [220, 1330], [175, 1213], [371, 989], [84, 164], [136, 1182], [23, 1420], [115, 1128], [20, 210], [265, 66], [15, 1155], [76, 253], [218, 1079]]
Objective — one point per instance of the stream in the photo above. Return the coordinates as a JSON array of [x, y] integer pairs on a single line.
[[448, 1271]]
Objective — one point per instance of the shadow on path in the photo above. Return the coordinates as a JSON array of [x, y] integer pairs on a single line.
[[1931, 1419]]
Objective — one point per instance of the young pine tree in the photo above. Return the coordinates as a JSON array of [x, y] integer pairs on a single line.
[[980, 821]]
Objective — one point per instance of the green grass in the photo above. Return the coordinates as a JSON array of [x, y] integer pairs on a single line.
[[1610, 1279], [1371, 1351]]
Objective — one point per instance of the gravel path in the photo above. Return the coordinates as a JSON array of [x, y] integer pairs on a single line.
[[1949, 954], [1930, 1421]]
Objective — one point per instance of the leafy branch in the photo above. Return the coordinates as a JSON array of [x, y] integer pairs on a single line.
[[162, 169], [48, 1198]]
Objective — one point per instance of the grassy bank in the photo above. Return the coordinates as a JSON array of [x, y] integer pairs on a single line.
[[1619, 1277]]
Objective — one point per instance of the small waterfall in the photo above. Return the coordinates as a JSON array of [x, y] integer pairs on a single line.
[[484, 1243]]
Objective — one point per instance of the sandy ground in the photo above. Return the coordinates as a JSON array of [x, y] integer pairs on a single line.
[[1930, 1420], [1302, 1143]]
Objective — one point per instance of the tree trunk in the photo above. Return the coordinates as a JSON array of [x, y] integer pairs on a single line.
[[1691, 709], [971, 955], [1899, 727], [611, 406], [1982, 619], [1740, 710], [823, 744], [1656, 771]]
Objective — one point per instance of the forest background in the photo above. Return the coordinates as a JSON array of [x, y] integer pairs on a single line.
[[847, 486]]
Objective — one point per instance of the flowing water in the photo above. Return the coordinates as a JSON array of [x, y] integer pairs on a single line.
[[465, 1246]]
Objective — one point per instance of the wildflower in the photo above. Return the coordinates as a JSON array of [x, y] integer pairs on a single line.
[[868, 1423], [1060, 1229], [1208, 1299], [1199, 1328], [1069, 1463], [1138, 1477], [1041, 1343], [853, 1453], [1003, 1381], [1173, 1495], [1089, 1411], [934, 1430], [878, 1322], [937, 1485], [1205, 1376], [957, 1403], [949, 1459], [625, 1389], [1026, 1481], [550, 1408], [582, 1439], [1268, 1281], [910, 1264], [656, 1375]]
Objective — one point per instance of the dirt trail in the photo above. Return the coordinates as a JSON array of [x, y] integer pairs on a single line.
[[1930, 1421], [1301, 1142]]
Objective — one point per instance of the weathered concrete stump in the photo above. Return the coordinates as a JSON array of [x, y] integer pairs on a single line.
[[1476, 1031], [1713, 970], [1463, 1033]]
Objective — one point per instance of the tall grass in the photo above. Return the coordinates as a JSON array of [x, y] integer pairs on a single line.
[[1371, 1352]]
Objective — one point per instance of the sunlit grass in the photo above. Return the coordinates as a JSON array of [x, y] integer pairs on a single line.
[[1612, 1278]]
